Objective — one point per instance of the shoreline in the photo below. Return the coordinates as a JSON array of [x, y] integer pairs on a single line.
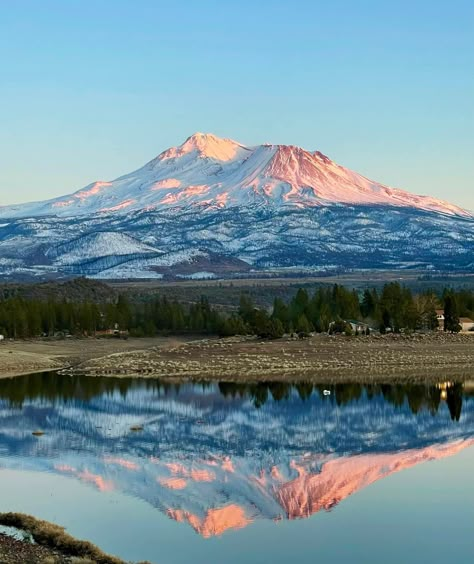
[[23, 357], [319, 359], [35, 540]]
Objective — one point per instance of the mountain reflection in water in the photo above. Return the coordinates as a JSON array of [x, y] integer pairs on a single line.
[[219, 456]]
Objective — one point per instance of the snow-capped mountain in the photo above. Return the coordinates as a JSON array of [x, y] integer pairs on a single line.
[[204, 200], [210, 172]]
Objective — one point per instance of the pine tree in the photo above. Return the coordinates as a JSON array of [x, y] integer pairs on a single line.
[[451, 316], [303, 327]]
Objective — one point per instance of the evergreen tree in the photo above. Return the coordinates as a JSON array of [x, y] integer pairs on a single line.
[[369, 304], [451, 316], [281, 312], [247, 309], [303, 326]]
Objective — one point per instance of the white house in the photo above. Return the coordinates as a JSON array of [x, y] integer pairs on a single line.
[[358, 326], [440, 318], [466, 323]]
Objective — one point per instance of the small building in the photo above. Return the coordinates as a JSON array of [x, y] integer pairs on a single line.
[[2, 337], [116, 332], [358, 326], [440, 318], [466, 323]]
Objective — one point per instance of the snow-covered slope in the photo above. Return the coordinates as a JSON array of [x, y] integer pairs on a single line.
[[210, 172], [97, 245], [217, 207]]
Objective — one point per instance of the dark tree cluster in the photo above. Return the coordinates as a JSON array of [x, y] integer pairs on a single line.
[[20, 318], [305, 313], [332, 309]]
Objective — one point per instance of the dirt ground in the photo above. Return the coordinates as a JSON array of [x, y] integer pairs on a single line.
[[24, 357], [320, 358], [19, 552]]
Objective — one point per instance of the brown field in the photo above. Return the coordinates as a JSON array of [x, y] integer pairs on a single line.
[[321, 358], [368, 278], [25, 357], [226, 293]]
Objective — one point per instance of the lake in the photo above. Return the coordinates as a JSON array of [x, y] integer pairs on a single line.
[[244, 473]]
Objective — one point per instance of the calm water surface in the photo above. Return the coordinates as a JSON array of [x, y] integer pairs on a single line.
[[235, 473]]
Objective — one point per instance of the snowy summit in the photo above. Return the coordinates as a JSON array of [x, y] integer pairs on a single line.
[[209, 172]]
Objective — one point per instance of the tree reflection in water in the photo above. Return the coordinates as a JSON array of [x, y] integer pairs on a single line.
[[52, 387]]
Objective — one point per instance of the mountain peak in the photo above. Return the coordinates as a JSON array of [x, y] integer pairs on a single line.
[[207, 145], [200, 137], [210, 172]]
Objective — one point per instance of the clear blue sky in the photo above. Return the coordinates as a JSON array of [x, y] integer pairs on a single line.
[[93, 89]]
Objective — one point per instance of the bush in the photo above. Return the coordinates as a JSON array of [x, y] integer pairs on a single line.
[[232, 326], [267, 328]]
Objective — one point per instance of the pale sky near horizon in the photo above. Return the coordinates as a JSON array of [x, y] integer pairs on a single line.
[[94, 89]]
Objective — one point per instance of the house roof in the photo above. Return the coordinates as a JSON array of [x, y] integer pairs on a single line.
[[355, 322], [466, 320]]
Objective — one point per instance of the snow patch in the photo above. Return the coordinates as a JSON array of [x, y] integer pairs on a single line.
[[198, 276], [118, 207], [206, 145], [166, 183], [92, 190]]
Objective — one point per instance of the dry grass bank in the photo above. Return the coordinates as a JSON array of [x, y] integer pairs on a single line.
[[321, 358], [52, 544]]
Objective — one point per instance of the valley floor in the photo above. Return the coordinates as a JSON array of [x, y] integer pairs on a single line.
[[322, 358]]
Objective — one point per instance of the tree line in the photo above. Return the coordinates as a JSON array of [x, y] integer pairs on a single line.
[[328, 309], [393, 308]]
